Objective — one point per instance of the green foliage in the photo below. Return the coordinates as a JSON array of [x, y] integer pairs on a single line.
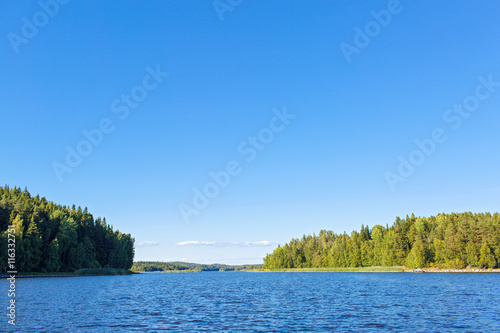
[[55, 238], [445, 240], [486, 259]]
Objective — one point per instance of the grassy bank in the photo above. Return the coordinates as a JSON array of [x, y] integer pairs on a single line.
[[379, 269], [372, 269]]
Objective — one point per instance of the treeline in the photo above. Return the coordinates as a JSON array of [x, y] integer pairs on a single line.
[[160, 266], [445, 240], [55, 238]]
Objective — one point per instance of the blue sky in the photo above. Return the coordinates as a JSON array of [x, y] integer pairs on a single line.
[[353, 117]]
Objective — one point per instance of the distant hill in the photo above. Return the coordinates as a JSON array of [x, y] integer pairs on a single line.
[[54, 238], [445, 240], [159, 266]]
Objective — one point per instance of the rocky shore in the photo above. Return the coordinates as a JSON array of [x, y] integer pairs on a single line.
[[459, 270]]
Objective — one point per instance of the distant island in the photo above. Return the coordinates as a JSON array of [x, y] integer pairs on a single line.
[[445, 241], [51, 238], [180, 266]]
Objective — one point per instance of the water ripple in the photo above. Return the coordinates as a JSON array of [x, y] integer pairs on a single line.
[[260, 302]]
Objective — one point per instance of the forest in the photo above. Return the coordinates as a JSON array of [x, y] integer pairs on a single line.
[[54, 238], [159, 266], [456, 240]]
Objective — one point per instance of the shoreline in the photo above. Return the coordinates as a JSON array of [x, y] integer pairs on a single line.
[[29, 276], [79, 272], [375, 269]]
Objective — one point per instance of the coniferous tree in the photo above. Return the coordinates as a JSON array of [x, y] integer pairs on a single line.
[[445, 240], [52, 238]]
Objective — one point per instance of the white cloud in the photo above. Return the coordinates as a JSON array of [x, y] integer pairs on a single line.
[[226, 244], [146, 243], [195, 243]]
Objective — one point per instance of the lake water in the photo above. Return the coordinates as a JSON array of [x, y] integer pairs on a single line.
[[257, 302]]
